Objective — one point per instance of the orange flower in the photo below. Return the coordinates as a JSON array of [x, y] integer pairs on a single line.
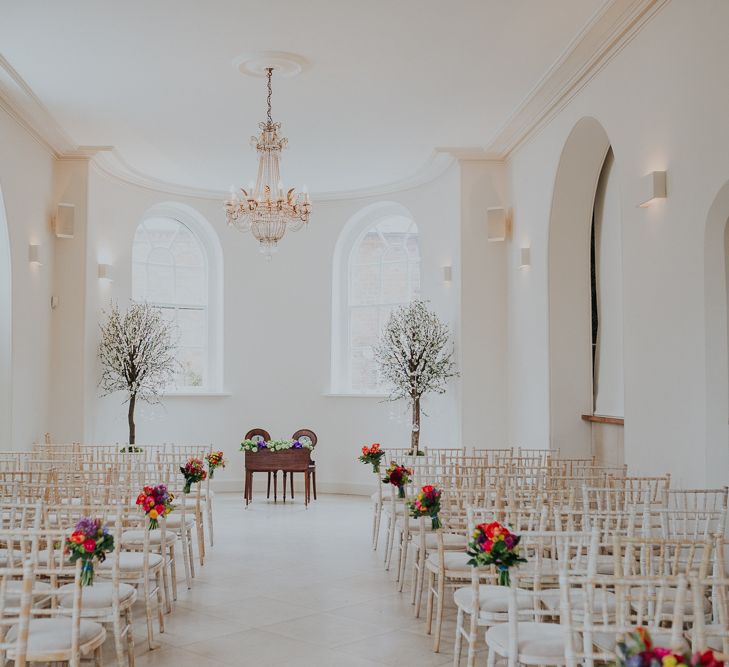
[[153, 514], [76, 538], [365, 450], [375, 448]]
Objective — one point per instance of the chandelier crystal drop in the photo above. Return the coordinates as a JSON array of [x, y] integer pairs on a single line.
[[266, 208]]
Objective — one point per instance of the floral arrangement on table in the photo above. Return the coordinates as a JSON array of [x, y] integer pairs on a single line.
[[638, 651], [131, 449], [193, 471], [215, 460], [156, 501], [274, 445], [427, 503], [372, 455], [493, 544], [398, 476], [90, 540]]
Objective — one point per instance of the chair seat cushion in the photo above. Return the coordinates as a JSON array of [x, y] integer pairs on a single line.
[[668, 595], [130, 561], [130, 537], [451, 541], [50, 636], [539, 643], [605, 564], [454, 561], [14, 590], [491, 599], [97, 596], [602, 600], [414, 525], [174, 520]]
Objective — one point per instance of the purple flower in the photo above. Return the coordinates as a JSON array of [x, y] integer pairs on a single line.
[[262, 444], [509, 541], [296, 444], [88, 526]]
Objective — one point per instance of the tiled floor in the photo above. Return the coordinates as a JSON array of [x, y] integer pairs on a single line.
[[292, 587]]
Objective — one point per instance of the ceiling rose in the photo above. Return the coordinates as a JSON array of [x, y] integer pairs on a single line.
[[256, 63]]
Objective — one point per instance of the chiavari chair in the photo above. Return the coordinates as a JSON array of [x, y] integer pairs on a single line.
[[598, 611]]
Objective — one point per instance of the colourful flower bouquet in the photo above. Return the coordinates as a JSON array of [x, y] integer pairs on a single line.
[[156, 501], [638, 651], [398, 476], [88, 541], [372, 455], [494, 544], [427, 503], [131, 449], [274, 445], [194, 472], [215, 460]]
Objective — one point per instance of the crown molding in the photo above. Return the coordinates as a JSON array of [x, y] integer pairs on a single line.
[[604, 36], [609, 30]]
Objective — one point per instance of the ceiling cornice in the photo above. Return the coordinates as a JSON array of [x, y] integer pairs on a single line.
[[602, 38]]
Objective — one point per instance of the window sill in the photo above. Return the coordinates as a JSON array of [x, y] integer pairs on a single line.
[[189, 394], [604, 419], [354, 395]]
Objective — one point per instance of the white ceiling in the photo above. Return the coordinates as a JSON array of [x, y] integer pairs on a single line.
[[389, 80]]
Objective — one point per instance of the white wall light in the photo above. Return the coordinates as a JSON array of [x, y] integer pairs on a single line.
[[105, 272], [498, 224], [525, 260], [448, 274], [34, 254], [651, 187]]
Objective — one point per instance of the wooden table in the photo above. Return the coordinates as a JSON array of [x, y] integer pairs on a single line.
[[287, 460]]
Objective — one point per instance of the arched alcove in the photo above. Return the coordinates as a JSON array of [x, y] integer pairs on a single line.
[[716, 267], [5, 333], [569, 286]]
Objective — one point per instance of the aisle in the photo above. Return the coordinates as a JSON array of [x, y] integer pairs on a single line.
[[289, 587]]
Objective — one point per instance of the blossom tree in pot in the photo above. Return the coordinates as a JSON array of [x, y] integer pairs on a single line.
[[137, 355], [415, 358]]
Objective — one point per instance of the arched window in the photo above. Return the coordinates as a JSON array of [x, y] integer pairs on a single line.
[[382, 272], [172, 268]]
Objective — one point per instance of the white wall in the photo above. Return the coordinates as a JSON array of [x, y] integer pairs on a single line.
[[664, 102], [26, 177], [276, 333]]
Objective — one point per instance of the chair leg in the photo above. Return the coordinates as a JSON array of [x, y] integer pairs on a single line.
[[160, 602], [166, 584], [191, 558], [390, 539], [378, 517], [459, 638], [186, 558], [209, 509], [414, 576], [429, 605], [173, 570], [118, 644], [439, 614], [148, 611], [403, 565], [200, 538], [130, 636], [420, 582]]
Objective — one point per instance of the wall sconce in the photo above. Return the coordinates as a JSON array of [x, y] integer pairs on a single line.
[[34, 254], [652, 187], [448, 274], [497, 221], [525, 258], [105, 272]]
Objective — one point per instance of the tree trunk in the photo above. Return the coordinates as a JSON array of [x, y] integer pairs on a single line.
[[415, 437], [132, 430]]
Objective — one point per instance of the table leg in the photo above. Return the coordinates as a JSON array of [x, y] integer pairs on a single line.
[[247, 489], [306, 488], [292, 486], [275, 486]]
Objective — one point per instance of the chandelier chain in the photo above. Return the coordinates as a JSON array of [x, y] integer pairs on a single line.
[[269, 70]]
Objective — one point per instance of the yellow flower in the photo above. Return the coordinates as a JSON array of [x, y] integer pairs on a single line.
[[153, 514], [669, 661]]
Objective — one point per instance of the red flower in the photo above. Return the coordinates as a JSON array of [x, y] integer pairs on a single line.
[[365, 450], [160, 509], [396, 477], [375, 448], [645, 637], [427, 489], [76, 538], [141, 498], [147, 490], [487, 545], [90, 545]]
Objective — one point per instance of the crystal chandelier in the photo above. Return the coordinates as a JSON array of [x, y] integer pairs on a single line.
[[266, 209]]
